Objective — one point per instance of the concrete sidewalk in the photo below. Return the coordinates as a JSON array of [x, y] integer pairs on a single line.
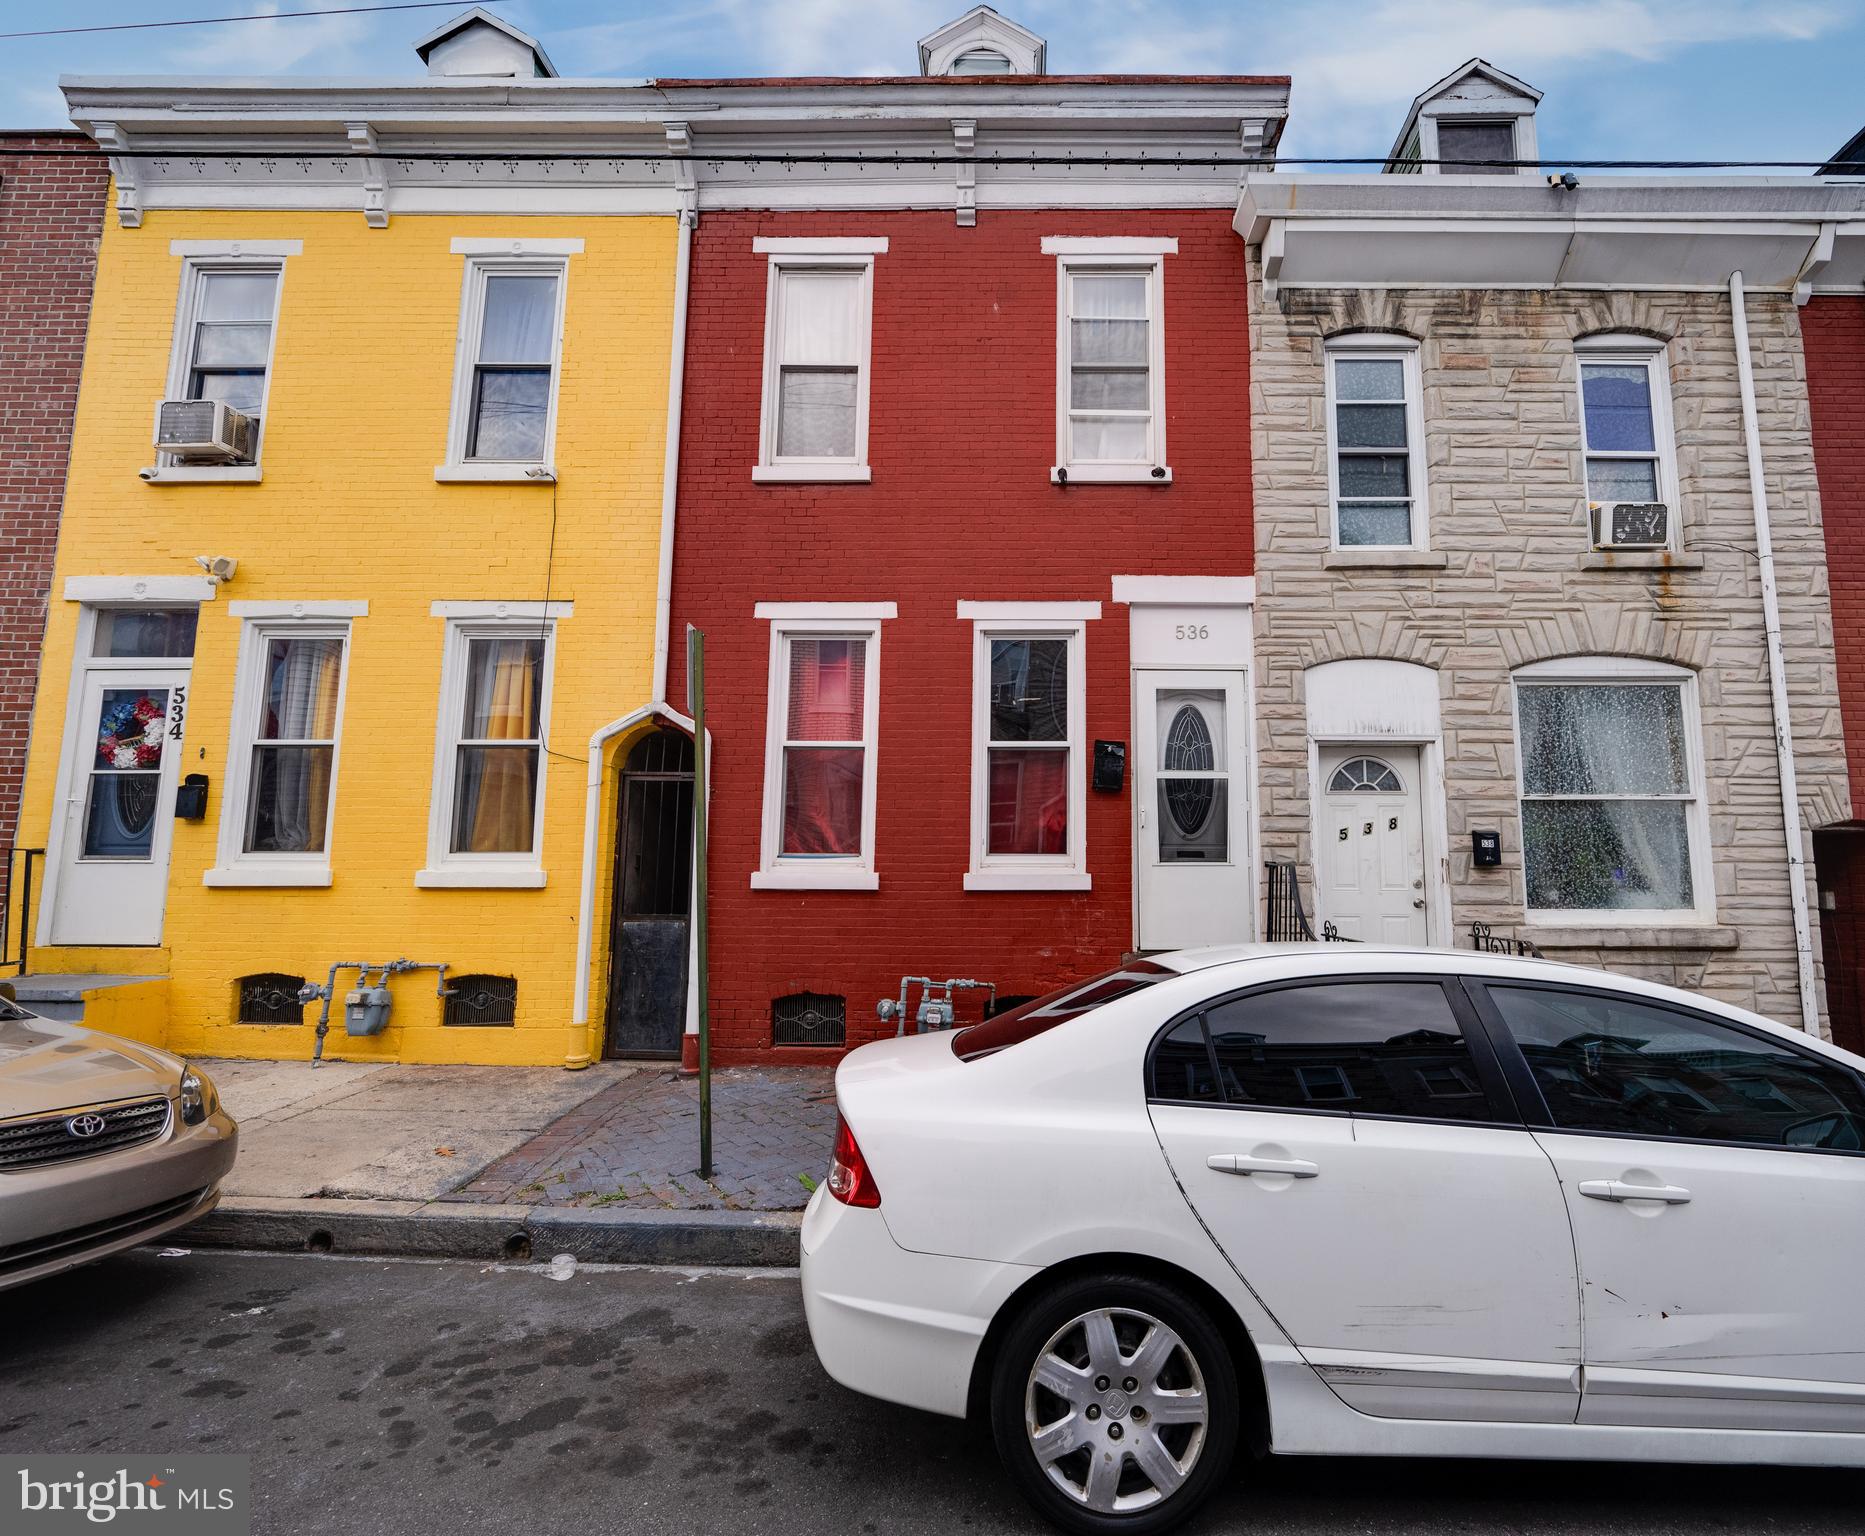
[[505, 1162]]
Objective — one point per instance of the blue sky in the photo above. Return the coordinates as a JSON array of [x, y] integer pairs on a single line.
[[1664, 79]]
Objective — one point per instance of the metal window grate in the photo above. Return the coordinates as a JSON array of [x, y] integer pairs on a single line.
[[270, 997], [809, 1018], [482, 1000]]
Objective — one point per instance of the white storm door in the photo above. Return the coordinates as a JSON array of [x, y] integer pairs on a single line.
[[1715, 1177], [119, 809], [1191, 803], [1362, 1175], [1371, 863]]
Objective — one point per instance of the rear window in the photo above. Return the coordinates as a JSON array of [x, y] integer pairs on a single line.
[[1028, 1020]]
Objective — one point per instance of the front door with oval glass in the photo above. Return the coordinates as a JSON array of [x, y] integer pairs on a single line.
[[110, 864], [1190, 806], [1370, 867]]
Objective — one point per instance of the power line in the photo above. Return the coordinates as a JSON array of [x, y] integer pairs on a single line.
[[214, 21]]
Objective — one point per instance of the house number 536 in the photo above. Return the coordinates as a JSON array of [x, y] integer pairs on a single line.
[[1192, 632]]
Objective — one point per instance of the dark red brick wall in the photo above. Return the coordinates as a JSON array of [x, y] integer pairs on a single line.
[[1834, 329], [51, 210], [961, 440]]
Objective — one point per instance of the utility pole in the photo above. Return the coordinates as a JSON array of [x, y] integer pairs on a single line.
[[696, 701]]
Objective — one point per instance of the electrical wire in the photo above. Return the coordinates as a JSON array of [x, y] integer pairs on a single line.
[[214, 21]]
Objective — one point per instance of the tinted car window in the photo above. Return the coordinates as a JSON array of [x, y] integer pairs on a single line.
[[1606, 1063], [1031, 1019], [1371, 1047], [1182, 1065]]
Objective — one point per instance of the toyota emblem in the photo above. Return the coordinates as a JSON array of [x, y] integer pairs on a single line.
[[85, 1126]]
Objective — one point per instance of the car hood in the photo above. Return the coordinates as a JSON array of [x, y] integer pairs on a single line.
[[47, 1066]]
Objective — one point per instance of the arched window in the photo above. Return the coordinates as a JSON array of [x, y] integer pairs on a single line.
[[1365, 775], [981, 61]]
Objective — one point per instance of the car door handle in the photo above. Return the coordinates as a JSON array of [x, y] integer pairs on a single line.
[[1615, 1189], [1236, 1162]]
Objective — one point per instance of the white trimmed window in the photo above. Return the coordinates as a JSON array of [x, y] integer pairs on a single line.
[[503, 424], [818, 340], [486, 820], [1029, 753], [281, 784], [1110, 359], [225, 324], [1614, 823], [820, 739], [1376, 444], [1626, 438]]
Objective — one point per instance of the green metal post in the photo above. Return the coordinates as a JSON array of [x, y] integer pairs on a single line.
[[696, 701]]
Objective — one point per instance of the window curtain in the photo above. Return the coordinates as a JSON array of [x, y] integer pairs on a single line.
[[820, 354], [496, 793], [291, 789], [823, 785]]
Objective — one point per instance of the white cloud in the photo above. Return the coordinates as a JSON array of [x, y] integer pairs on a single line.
[[309, 44]]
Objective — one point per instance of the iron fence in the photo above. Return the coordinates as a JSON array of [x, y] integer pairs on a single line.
[[19, 863]]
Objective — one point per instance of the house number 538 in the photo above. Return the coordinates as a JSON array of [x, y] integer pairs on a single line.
[[1192, 632]]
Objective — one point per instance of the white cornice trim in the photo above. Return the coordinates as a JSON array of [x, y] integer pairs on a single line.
[[139, 589], [1028, 613]]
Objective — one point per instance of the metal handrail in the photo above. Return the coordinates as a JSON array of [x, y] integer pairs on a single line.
[[1285, 921], [20, 859], [1481, 938]]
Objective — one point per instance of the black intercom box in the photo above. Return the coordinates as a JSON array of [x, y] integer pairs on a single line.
[[1110, 765]]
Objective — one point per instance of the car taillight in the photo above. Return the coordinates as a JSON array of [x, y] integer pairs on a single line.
[[850, 1179]]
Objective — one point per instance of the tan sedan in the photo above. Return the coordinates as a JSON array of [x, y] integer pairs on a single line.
[[103, 1144]]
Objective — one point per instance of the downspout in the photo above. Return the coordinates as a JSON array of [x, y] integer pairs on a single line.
[[1777, 666], [577, 1057]]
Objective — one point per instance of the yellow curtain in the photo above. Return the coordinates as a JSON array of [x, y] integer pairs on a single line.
[[503, 815]]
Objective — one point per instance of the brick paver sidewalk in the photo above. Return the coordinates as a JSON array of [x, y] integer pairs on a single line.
[[636, 1144]]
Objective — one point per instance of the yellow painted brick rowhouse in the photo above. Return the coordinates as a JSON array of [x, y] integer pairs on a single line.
[[345, 663]]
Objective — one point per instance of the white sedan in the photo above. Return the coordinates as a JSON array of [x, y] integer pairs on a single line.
[[1344, 1199]]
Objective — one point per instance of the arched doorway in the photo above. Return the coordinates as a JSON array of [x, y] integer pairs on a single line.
[[648, 938]]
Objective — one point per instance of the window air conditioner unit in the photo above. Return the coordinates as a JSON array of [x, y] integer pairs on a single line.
[[209, 431], [1631, 525]]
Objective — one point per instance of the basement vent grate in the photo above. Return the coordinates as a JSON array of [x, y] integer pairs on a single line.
[[270, 997], [809, 1018], [481, 1000]]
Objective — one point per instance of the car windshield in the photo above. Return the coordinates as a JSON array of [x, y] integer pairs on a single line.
[[1028, 1020]]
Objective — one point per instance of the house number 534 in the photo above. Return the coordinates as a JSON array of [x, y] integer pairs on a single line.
[[177, 712], [1192, 632]]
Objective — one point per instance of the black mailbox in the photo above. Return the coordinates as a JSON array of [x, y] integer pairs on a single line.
[[1110, 765], [1486, 849], [191, 798]]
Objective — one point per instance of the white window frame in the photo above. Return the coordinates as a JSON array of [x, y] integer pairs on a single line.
[[200, 260], [787, 255], [1373, 346], [777, 871], [484, 259], [235, 866], [1521, 123], [1606, 671], [1066, 871], [466, 623], [1654, 357], [1135, 254]]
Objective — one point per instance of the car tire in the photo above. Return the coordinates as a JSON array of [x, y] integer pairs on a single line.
[[1094, 1455]]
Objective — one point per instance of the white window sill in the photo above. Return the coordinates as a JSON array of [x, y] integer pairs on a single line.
[[806, 474], [201, 474], [1683, 932], [828, 878], [1110, 474], [1028, 880], [1363, 558], [495, 474], [1639, 560], [517, 877], [268, 874]]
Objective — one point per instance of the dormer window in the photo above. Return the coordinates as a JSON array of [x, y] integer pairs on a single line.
[[1472, 146], [1473, 122], [981, 61]]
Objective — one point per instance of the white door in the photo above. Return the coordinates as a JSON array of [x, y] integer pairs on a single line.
[[119, 809], [1191, 801], [1371, 862], [1415, 1251], [1715, 1177]]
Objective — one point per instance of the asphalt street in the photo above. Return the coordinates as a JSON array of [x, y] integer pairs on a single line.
[[403, 1397]]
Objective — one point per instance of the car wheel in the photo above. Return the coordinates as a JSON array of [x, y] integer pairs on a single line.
[[1114, 1405]]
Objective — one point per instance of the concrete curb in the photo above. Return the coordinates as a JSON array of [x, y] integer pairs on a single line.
[[434, 1229]]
